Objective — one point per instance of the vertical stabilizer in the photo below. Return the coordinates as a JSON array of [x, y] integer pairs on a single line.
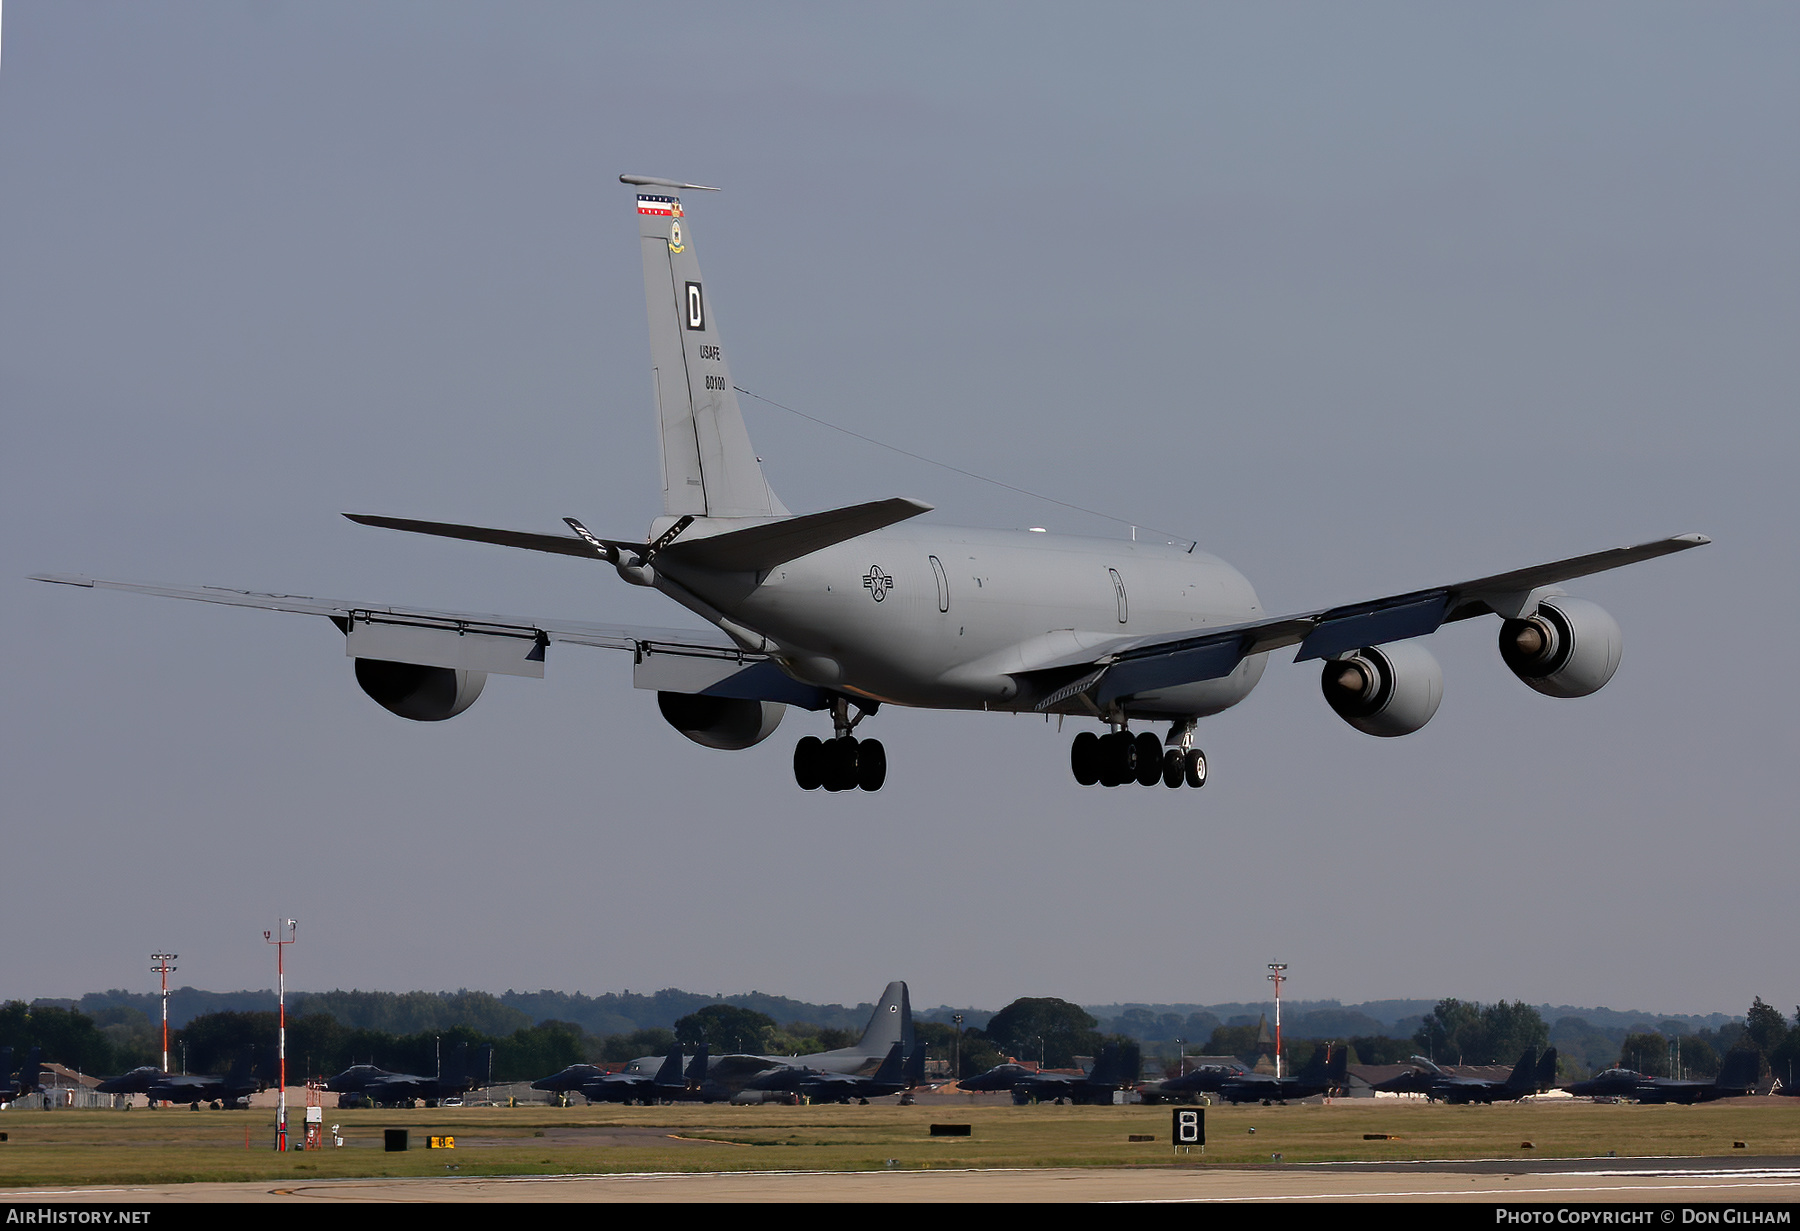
[[1740, 1071], [1520, 1077], [891, 1023], [709, 468]]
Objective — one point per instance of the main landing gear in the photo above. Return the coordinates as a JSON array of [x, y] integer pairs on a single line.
[[844, 763], [1121, 757]]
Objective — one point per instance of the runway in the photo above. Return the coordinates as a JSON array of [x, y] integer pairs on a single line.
[[1656, 1181]]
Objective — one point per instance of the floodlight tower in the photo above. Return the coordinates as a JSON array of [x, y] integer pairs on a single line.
[[162, 966], [1278, 976], [281, 936]]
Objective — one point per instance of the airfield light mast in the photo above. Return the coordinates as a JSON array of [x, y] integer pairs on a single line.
[[162, 967], [281, 936], [1278, 976]]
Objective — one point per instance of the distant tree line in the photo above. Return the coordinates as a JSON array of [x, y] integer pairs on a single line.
[[327, 1032]]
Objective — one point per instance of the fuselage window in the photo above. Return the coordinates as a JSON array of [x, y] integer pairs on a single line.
[[943, 584], [1119, 590]]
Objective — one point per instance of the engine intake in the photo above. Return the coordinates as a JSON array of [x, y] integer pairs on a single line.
[[423, 694], [720, 722], [1385, 690], [1568, 648]]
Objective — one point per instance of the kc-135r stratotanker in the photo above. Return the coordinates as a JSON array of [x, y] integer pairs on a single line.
[[851, 608]]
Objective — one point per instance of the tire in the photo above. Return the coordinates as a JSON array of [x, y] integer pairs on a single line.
[[1174, 766], [840, 764], [1113, 760], [1084, 758], [809, 763], [1195, 767], [1149, 759], [871, 765]]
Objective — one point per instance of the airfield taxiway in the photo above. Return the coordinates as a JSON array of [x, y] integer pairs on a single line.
[[1668, 1180]]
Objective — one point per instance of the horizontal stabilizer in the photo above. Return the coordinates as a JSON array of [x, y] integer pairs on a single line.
[[561, 544], [768, 544]]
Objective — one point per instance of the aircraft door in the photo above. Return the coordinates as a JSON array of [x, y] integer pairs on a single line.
[[943, 584], [1119, 592]]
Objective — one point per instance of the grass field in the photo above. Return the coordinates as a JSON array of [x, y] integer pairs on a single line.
[[173, 1146]]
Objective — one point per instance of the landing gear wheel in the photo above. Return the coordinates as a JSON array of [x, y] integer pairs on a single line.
[[840, 764], [871, 765], [1174, 764], [1149, 759], [809, 763], [1118, 759], [1084, 758], [1196, 767]]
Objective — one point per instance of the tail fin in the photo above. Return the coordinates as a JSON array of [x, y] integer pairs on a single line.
[[709, 468], [30, 1070], [696, 1069], [1520, 1077], [914, 1073], [1109, 1067], [1545, 1078], [456, 1068], [890, 1023], [670, 1072], [1316, 1070], [1739, 1072], [890, 1065]]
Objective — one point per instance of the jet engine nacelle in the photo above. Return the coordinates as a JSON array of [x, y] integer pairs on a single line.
[[1568, 648], [1385, 690], [720, 722], [423, 694]]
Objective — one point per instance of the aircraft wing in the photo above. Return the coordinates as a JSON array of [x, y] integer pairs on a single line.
[[707, 643], [1144, 664]]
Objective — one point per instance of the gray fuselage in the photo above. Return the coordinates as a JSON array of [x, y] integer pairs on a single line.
[[951, 618]]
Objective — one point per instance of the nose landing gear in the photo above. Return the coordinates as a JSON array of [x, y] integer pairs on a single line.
[[1121, 757]]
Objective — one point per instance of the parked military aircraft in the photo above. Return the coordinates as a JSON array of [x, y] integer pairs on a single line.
[[632, 1085], [1612, 1083], [847, 610], [385, 1089], [899, 1071], [729, 1076], [1737, 1076], [1531, 1075], [1201, 1079], [1327, 1071], [14, 1087], [1029, 1085], [569, 1079], [191, 1089]]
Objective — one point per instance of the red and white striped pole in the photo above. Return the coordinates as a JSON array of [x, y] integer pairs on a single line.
[[281, 937], [162, 966], [1278, 975]]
